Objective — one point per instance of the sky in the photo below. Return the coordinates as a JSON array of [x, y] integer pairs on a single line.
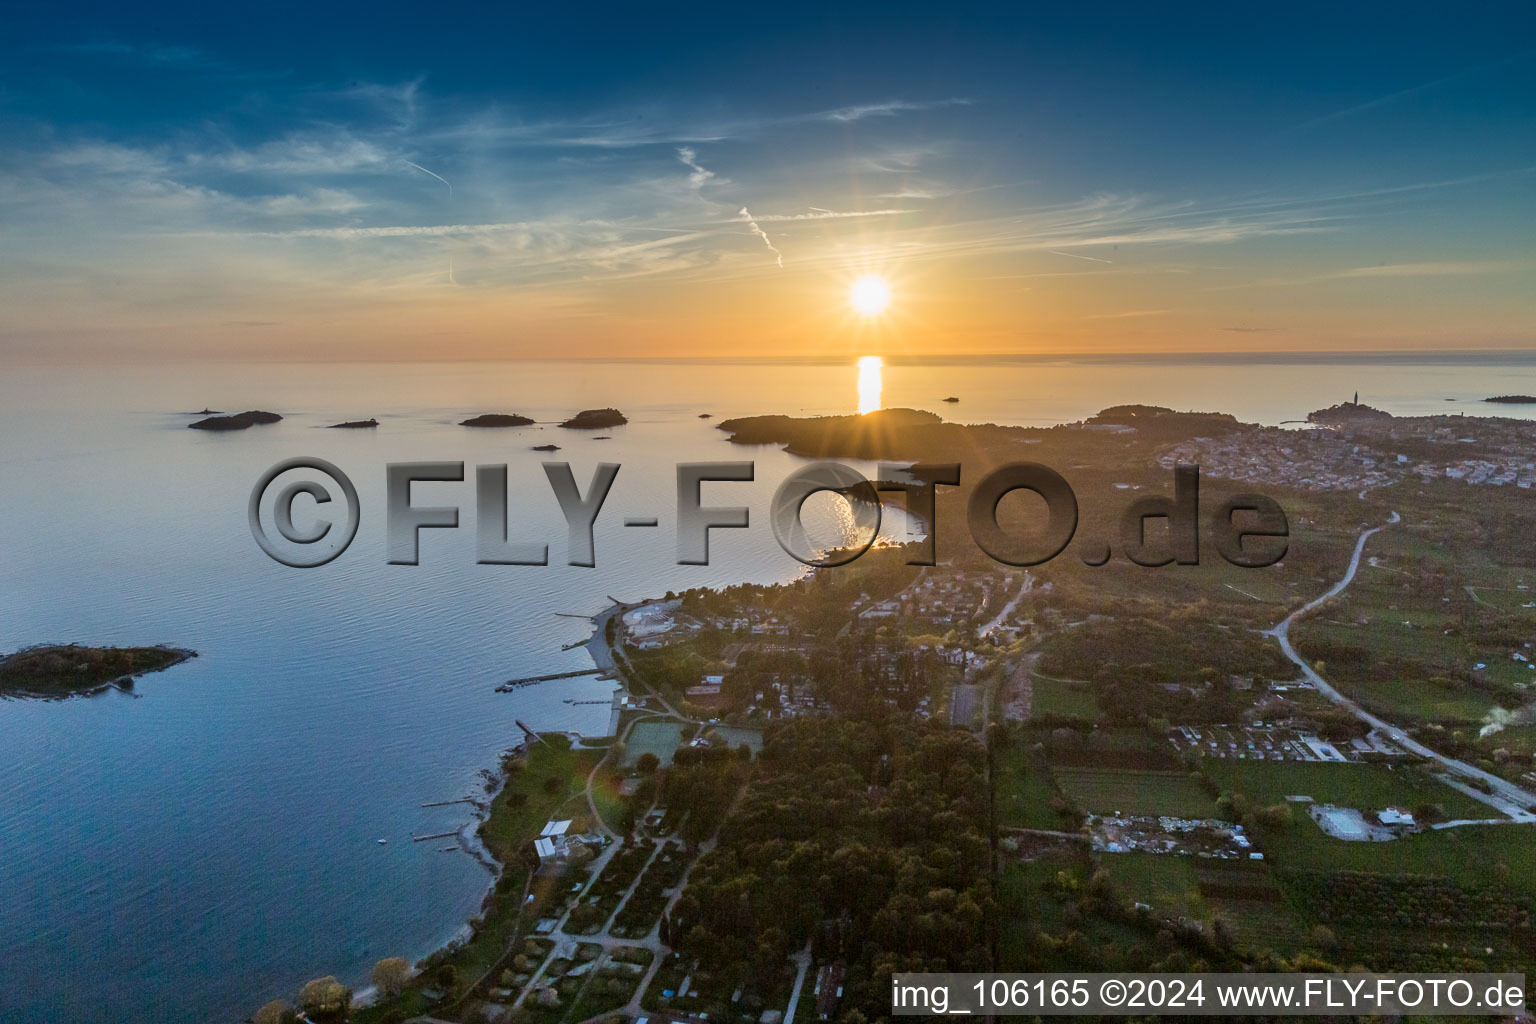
[[503, 181]]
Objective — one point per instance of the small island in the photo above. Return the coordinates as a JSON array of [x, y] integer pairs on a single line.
[[1511, 399], [239, 421], [596, 419], [496, 419], [704, 416], [546, 447], [57, 671], [354, 425], [951, 399]]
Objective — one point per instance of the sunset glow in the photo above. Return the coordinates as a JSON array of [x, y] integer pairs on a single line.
[[870, 295]]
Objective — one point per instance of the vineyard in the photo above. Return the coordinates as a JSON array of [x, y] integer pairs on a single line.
[[1356, 899]]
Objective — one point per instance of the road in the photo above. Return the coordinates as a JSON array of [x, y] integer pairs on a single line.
[[1002, 616], [802, 966], [1506, 798]]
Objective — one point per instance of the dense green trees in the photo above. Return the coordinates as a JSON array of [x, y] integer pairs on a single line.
[[866, 837]]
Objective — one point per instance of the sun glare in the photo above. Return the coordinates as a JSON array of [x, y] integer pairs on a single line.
[[870, 295]]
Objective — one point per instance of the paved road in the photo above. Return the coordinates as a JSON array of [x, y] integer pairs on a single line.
[[802, 965], [1507, 798], [1001, 617]]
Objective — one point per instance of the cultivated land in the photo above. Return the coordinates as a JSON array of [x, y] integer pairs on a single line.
[[1153, 794]]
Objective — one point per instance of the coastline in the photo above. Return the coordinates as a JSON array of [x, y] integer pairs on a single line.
[[469, 835]]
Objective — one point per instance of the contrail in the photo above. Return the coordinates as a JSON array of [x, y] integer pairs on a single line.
[[699, 174], [1075, 256], [760, 233], [434, 174]]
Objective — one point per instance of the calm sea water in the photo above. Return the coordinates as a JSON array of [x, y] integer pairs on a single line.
[[188, 852]]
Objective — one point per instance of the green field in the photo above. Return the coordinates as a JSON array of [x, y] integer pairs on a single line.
[[1501, 854], [1167, 883], [1111, 791], [1064, 698], [1366, 787], [1024, 791]]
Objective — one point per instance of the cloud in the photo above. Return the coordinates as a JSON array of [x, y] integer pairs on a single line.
[[820, 214], [1250, 330], [1431, 269], [699, 176], [1075, 256], [1128, 313], [890, 108], [315, 202], [335, 152]]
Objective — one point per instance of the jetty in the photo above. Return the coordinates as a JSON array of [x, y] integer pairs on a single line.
[[447, 803], [513, 684], [435, 835]]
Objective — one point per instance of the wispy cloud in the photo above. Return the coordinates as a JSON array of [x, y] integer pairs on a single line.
[[699, 176], [820, 214], [1076, 256], [890, 108], [1128, 313], [1430, 269]]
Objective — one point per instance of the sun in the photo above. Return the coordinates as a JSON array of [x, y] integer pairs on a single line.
[[870, 295]]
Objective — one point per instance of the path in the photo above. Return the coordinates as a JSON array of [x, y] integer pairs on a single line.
[[1506, 797]]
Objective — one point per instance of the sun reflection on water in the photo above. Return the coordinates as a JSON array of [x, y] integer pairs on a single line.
[[869, 384]]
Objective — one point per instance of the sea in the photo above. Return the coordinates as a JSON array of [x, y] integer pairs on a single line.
[[191, 850]]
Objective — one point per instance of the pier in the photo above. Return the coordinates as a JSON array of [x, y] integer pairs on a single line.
[[435, 835], [513, 684]]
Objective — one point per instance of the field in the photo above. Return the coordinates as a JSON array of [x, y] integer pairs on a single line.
[[1505, 854], [1169, 884], [1243, 895], [1024, 791], [1367, 787], [1111, 791], [1411, 693], [1063, 698]]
